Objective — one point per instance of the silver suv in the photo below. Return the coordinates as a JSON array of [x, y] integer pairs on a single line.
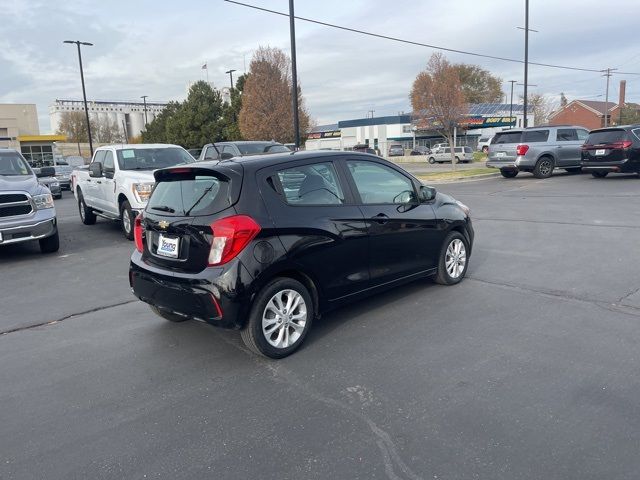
[[538, 150]]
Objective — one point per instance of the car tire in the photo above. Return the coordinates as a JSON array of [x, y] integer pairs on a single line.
[[597, 174], [50, 244], [457, 160], [574, 170], [172, 317], [127, 220], [508, 173], [544, 168], [271, 324], [454, 259], [86, 214], [432, 160]]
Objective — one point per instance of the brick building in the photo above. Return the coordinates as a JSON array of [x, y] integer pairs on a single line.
[[590, 113]]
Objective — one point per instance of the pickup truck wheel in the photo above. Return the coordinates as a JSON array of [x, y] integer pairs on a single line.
[[543, 168], [86, 214], [508, 173], [50, 244], [172, 317], [432, 160], [127, 219], [280, 318]]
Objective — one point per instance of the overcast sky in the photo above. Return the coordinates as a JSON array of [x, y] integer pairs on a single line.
[[156, 48]]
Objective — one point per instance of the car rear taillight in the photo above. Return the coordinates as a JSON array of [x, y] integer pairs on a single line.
[[522, 149], [230, 236], [138, 233], [623, 144], [585, 147]]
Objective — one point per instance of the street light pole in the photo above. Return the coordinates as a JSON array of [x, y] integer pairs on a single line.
[[511, 104], [294, 75], [144, 99], [84, 93], [526, 58], [230, 72]]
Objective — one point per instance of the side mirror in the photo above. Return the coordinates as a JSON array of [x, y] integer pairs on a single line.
[[225, 156], [95, 169], [427, 193]]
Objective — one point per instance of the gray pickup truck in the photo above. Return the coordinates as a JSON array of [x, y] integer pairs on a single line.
[[26, 206]]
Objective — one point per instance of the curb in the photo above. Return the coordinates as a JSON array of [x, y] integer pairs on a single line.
[[472, 178]]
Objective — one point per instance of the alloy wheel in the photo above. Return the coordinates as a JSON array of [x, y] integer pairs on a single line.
[[126, 221], [284, 318], [455, 258]]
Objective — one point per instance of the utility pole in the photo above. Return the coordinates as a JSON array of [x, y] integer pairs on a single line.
[[607, 73], [294, 75], [84, 93], [144, 99], [526, 58], [511, 104], [230, 72]]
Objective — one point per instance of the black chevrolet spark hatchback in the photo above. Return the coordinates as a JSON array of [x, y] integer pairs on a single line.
[[265, 244]]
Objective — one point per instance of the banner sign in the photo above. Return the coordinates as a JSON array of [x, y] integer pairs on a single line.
[[331, 134]]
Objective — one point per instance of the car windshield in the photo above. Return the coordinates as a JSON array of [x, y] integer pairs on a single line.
[[152, 158], [606, 136], [11, 163], [258, 148]]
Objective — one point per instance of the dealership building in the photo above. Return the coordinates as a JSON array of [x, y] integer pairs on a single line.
[[483, 119]]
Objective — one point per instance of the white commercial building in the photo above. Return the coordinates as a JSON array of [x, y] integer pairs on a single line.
[[127, 115]]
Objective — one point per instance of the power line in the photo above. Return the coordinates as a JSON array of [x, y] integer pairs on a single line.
[[411, 42]]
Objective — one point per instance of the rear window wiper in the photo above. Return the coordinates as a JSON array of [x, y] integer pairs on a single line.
[[163, 208]]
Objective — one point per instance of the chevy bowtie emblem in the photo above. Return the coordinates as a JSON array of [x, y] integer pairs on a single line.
[[163, 225]]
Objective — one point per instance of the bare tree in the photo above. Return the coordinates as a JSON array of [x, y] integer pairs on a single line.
[[73, 125], [106, 131], [437, 99], [266, 99], [541, 106]]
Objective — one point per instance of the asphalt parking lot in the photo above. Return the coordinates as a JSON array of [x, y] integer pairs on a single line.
[[527, 369]]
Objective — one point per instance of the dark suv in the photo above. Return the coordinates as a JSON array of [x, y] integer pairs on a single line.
[[266, 244], [615, 149]]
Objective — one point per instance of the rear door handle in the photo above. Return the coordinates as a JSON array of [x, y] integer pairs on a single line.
[[380, 218], [98, 181]]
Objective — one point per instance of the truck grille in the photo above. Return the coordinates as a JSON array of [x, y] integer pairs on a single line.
[[14, 204]]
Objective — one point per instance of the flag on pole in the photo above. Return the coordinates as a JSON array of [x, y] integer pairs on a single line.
[[204, 66]]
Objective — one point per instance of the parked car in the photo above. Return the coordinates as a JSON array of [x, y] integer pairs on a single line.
[[227, 150], [47, 177], [439, 147], [462, 155], [420, 150], [119, 180], [280, 239], [483, 144], [396, 150], [195, 152], [538, 150], [364, 148], [615, 149], [27, 212], [63, 174], [74, 161]]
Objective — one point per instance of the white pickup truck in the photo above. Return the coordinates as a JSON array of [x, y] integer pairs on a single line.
[[119, 180]]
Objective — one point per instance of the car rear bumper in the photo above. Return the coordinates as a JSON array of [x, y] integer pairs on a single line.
[[211, 296], [501, 165], [622, 166]]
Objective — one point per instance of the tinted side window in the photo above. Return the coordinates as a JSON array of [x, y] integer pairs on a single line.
[[636, 132], [315, 184], [108, 162], [229, 149], [506, 137], [380, 184], [211, 153], [567, 135], [535, 136], [582, 134]]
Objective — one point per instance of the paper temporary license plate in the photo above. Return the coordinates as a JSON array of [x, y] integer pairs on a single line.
[[501, 154], [168, 246], [600, 152]]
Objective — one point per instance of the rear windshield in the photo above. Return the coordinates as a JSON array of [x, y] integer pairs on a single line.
[[11, 164], [506, 137], [190, 195], [152, 158], [533, 136], [606, 136], [258, 148]]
